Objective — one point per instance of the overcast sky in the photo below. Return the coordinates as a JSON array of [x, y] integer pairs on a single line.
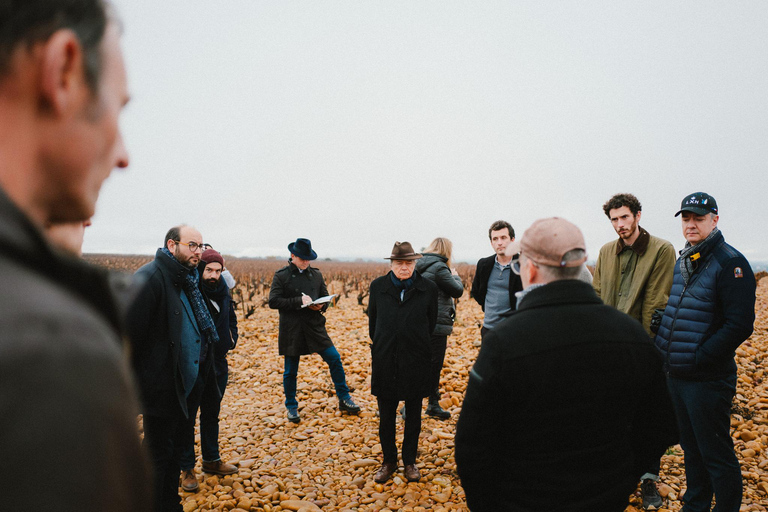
[[356, 124]]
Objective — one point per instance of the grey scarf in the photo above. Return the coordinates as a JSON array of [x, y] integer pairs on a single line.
[[692, 253]]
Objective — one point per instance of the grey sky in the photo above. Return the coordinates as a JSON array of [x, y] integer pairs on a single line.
[[357, 124]]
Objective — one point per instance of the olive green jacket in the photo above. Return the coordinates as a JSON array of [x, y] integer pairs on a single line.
[[646, 279]]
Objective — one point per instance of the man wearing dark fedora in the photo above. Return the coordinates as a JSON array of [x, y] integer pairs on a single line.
[[710, 312], [302, 325], [402, 313]]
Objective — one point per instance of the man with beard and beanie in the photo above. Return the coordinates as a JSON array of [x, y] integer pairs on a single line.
[[634, 275], [302, 325], [172, 339], [584, 373], [67, 400], [711, 311], [402, 314], [219, 301]]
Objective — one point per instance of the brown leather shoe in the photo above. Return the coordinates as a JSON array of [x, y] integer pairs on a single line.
[[219, 468], [385, 472], [412, 473], [189, 480]]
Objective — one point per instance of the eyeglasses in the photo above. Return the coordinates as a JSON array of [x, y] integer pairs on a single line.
[[194, 246], [516, 263]]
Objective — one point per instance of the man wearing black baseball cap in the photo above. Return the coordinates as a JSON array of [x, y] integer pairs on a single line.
[[302, 325], [711, 311]]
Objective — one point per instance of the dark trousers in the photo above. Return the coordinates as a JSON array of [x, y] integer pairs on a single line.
[[388, 427], [331, 357], [210, 406], [165, 437], [703, 412], [439, 344]]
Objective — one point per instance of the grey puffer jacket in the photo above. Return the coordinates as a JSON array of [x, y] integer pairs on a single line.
[[434, 267]]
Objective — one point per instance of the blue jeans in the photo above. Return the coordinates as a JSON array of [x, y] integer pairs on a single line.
[[210, 405], [331, 356], [703, 412]]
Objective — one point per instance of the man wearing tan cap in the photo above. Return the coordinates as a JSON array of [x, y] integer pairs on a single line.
[[554, 409]]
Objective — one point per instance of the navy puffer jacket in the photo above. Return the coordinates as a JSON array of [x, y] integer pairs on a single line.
[[707, 319]]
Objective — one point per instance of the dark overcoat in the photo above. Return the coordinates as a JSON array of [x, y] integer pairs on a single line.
[[154, 329], [302, 330], [224, 318], [400, 334]]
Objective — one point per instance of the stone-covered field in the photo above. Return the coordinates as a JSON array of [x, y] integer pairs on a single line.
[[327, 461]]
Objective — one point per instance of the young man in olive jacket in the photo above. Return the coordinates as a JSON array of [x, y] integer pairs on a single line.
[[172, 339], [634, 275], [68, 406], [302, 325], [711, 311], [582, 372]]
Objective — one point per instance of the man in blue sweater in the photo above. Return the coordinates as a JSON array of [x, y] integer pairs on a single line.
[[711, 311]]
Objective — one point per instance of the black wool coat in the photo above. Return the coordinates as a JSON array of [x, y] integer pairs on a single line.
[[154, 323], [302, 330], [480, 282], [400, 334], [566, 407]]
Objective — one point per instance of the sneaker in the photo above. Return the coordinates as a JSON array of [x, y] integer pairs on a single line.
[[189, 481], [650, 495], [293, 415], [349, 405]]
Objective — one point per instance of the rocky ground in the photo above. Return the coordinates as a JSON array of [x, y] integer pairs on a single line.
[[328, 460]]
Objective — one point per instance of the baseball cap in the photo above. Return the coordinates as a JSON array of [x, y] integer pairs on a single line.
[[548, 240], [699, 203]]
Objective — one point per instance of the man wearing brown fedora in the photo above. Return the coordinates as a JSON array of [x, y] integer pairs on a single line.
[[302, 325], [583, 372], [402, 313]]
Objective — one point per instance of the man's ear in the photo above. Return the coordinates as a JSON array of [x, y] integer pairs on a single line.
[[62, 73]]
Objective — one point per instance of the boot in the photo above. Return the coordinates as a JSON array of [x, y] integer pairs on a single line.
[[434, 409]]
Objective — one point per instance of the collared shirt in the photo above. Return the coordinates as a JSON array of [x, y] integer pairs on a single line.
[[628, 256], [521, 294], [497, 297]]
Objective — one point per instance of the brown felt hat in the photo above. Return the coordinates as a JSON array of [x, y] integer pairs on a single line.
[[547, 241], [403, 251]]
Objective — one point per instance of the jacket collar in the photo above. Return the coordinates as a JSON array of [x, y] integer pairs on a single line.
[[557, 293], [25, 244], [640, 245], [390, 288], [171, 265], [296, 270]]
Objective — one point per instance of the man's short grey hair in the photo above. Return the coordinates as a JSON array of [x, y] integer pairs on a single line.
[[561, 273]]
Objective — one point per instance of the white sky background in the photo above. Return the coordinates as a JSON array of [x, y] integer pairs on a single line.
[[356, 124]]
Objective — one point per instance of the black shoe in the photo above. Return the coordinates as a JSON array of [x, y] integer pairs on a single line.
[[293, 415], [650, 494], [434, 410], [349, 405]]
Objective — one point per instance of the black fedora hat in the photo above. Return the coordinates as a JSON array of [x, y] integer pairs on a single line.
[[302, 248], [403, 251]]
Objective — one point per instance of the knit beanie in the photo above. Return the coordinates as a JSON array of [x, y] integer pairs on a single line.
[[212, 256]]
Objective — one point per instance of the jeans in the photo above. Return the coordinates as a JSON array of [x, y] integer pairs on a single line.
[[388, 427], [331, 356], [210, 405], [703, 412]]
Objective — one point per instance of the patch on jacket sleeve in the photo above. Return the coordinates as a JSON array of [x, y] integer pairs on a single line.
[[737, 273]]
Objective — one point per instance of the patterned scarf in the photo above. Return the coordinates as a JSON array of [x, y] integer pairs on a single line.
[[202, 315], [690, 255]]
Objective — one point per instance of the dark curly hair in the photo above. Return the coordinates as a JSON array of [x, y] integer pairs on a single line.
[[620, 200], [499, 225]]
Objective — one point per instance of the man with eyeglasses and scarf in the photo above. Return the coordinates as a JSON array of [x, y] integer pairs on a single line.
[[710, 312], [172, 339]]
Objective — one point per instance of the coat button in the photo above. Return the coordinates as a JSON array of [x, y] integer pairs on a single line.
[[197, 341], [195, 362], [176, 312]]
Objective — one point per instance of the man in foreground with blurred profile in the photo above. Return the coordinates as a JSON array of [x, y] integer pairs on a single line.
[[555, 411], [711, 311], [67, 400]]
